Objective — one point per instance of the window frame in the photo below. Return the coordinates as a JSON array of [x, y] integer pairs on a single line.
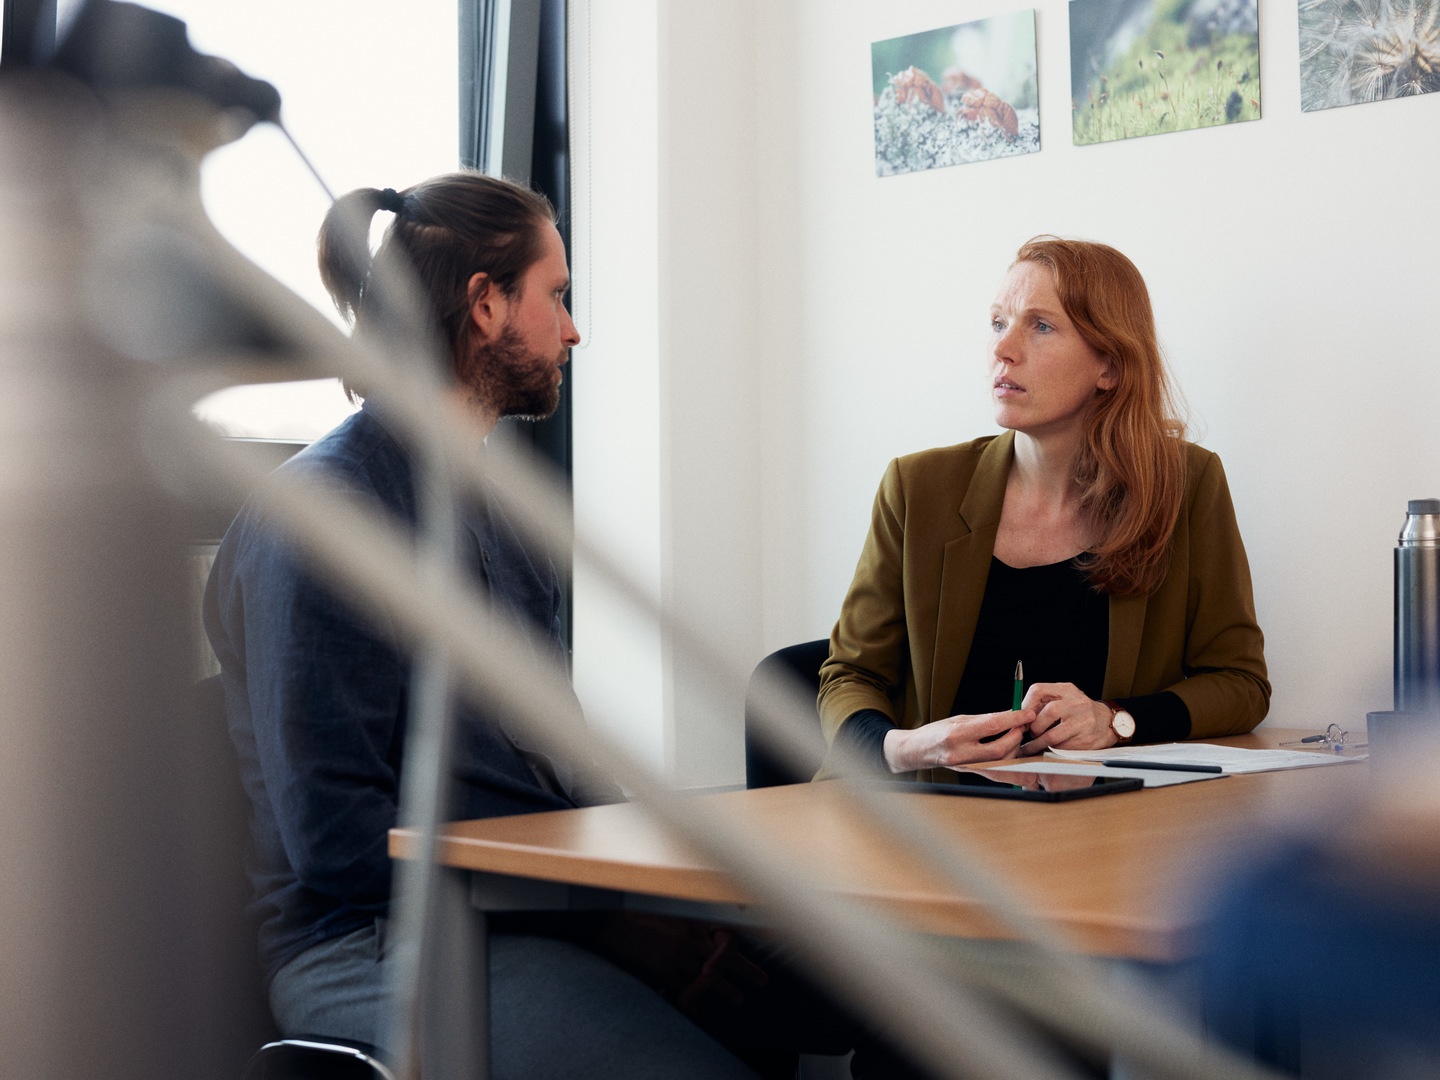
[[515, 123]]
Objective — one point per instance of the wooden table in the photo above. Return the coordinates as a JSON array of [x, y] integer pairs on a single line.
[[1123, 875]]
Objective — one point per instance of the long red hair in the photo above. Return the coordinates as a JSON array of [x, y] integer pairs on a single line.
[[1131, 466]]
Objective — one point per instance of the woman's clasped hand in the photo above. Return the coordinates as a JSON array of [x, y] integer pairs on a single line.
[[1052, 715], [1066, 719], [958, 740]]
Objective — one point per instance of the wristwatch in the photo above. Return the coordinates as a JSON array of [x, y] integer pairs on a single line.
[[1121, 722]]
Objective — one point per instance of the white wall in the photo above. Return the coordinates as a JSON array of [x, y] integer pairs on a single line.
[[666, 436], [616, 370], [1288, 259]]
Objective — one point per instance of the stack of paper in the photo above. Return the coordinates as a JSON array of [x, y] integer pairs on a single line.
[[1230, 758]]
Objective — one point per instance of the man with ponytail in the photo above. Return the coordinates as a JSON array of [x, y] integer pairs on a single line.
[[316, 695]]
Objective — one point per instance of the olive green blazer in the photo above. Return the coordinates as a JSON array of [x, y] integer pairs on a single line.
[[909, 617]]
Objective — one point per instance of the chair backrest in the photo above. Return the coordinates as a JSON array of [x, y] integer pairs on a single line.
[[316, 1059], [251, 1025], [229, 807], [801, 662]]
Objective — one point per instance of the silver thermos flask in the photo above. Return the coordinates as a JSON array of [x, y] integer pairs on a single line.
[[1417, 609]]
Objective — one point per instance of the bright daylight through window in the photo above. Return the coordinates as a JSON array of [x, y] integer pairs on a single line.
[[369, 91]]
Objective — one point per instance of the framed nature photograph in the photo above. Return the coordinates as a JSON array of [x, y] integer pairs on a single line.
[[1353, 51], [955, 95], [1145, 67]]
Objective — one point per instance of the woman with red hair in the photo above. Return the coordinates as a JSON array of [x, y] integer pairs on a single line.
[[1090, 542]]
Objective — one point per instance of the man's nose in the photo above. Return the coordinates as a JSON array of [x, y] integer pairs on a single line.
[[568, 333]]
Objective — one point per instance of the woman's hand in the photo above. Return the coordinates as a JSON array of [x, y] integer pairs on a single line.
[[1048, 781], [1066, 719], [956, 740]]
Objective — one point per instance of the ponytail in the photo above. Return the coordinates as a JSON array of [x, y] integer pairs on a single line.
[[343, 249]]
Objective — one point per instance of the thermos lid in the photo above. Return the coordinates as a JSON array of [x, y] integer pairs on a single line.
[[1422, 524]]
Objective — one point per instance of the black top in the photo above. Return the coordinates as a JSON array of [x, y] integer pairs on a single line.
[[1049, 618], [1053, 621]]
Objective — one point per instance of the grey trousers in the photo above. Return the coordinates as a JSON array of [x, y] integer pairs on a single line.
[[556, 1010]]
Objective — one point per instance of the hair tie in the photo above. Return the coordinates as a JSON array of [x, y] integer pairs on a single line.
[[392, 200]]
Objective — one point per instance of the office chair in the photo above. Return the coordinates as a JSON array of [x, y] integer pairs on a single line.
[[801, 662], [307, 1058], [316, 1059]]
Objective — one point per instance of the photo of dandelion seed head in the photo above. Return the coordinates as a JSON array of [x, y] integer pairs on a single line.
[[1352, 51], [1143, 67], [956, 95]]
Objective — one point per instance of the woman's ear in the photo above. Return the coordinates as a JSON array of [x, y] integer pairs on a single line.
[[1109, 377], [489, 307]]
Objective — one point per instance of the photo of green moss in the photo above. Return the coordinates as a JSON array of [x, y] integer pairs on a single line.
[[1353, 51], [1145, 67]]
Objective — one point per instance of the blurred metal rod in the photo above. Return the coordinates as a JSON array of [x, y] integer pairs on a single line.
[[425, 787]]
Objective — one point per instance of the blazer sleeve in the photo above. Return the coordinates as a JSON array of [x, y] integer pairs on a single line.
[[869, 653], [1226, 687]]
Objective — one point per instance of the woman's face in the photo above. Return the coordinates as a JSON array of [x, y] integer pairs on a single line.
[[1044, 374]]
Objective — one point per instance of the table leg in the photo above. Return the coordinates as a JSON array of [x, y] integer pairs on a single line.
[[456, 1019]]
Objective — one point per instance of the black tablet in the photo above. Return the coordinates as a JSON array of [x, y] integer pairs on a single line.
[[1033, 787]]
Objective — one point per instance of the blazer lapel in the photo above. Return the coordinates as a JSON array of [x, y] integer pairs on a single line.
[[1127, 628], [966, 569]]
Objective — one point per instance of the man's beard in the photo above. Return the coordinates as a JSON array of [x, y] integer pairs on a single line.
[[508, 380]]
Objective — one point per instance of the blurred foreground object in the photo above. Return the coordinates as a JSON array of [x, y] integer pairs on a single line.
[[121, 945], [1325, 959]]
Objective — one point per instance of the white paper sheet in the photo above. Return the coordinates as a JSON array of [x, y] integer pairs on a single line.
[[1230, 758]]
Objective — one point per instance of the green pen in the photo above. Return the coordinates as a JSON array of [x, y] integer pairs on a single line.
[[1019, 685]]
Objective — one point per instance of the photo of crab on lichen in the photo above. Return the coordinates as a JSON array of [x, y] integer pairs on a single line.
[[1144, 67], [955, 95], [1353, 51]]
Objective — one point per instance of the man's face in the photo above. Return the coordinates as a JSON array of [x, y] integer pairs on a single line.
[[517, 372]]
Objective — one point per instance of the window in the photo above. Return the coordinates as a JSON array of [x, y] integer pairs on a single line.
[[370, 93]]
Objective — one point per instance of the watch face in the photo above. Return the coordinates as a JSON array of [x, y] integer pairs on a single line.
[[1123, 724]]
